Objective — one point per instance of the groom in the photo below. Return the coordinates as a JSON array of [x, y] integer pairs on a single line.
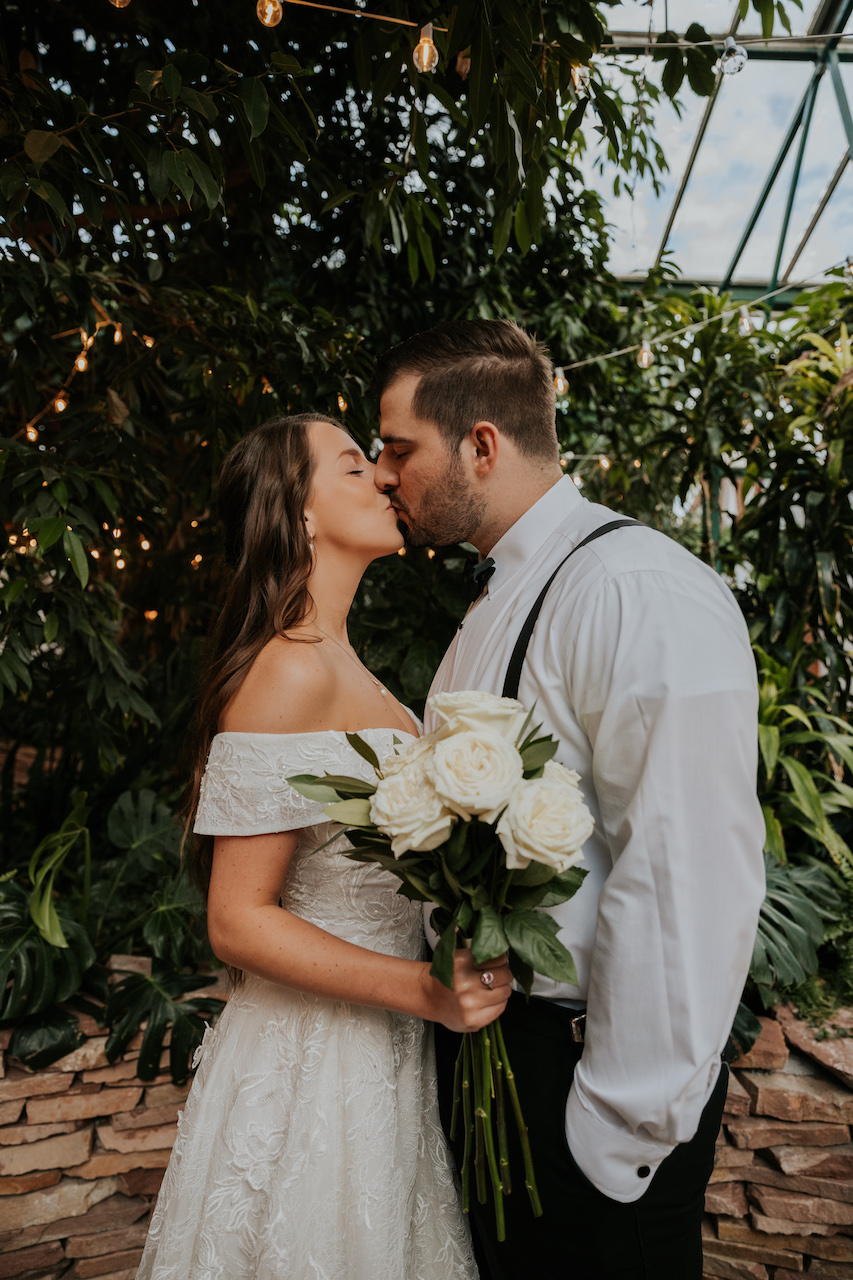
[[640, 663]]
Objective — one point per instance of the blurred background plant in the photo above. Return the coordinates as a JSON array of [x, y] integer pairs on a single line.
[[196, 241]]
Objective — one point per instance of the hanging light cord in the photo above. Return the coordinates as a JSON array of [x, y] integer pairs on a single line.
[[360, 13], [677, 333]]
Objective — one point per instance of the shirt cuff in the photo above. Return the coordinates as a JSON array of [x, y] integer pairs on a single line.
[[617, 1163]]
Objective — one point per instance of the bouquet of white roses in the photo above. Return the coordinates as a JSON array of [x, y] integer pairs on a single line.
[[478, 819]]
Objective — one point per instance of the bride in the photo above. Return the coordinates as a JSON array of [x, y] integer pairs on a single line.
[[310, 1147]]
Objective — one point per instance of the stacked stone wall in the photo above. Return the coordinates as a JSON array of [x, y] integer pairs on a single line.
[[84, 1144]]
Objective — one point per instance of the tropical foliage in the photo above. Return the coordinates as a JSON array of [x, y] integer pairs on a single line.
[[194, 241]]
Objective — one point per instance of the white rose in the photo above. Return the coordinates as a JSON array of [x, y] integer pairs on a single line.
[[472, 709], [405, 807], [475, 773], [411, 753], [546, 821]]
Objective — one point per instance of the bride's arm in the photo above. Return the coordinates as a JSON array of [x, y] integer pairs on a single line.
[[249, 930]]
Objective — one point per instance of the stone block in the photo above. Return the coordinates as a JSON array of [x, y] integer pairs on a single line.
[[24, 1084], [11, 1111], [724, 1269], [146, 1117], [734, 1251], [37, 1258], [86, 1058], [830, 1270], [785, 1227], [737, 1098], [101, 1242], [738, 1231], [160, 1137], [727, 1156], [85, 1268], [142, 1182], [796, 1207], [769, 1053], [107, 1215], [13, 1135], [755, 1132], [166, 1095], [834, 1052], [728, 1198], [127, 1274], [74, 1106], [51, 1153], [787, 1096], [118, 1072], [820, 1162], [105, 1163], [68, 1199], [830, 1188], [20, 1184]]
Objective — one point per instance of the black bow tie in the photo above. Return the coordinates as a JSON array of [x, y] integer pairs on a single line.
[[478, 575]]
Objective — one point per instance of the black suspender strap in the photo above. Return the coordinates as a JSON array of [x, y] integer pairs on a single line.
[[516, 662]]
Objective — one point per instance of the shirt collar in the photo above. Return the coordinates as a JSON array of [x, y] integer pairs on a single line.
[[522, 540]]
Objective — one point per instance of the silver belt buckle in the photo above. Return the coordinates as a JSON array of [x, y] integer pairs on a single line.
[[578, 1026]]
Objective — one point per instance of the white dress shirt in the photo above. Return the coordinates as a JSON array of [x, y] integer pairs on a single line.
[[640, 664]]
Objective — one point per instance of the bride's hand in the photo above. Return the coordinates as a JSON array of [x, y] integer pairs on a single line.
[[470, 1005]]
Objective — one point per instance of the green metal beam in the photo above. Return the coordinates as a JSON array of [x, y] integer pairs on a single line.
[[795, 177], [843, 104], [770, 180]]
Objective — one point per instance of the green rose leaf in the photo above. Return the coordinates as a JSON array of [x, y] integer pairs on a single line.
[[490, 939], [367, 753], [310, 786], [350, 813], [442, 959], [533, 937]]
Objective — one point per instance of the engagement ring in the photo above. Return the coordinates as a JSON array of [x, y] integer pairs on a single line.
[[487, 979]]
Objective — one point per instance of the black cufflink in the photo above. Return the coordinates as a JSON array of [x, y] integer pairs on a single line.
[[643, 1171]]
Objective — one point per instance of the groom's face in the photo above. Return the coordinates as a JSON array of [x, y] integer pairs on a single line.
[[429, 484]]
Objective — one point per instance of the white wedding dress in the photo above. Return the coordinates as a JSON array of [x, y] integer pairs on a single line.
[[310, 1146]]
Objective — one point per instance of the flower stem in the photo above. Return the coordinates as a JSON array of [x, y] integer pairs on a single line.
[[500, 1106], [468, 1123], [479, 1117], [457, 1091], [529, 1175], [494, 1174]]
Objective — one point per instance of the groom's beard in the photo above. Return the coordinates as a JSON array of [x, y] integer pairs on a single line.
[[446, 514]]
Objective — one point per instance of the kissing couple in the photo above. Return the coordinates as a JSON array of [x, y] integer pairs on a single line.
[[311, 1146]]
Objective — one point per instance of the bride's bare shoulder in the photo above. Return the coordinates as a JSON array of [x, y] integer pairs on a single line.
[[288, 689]]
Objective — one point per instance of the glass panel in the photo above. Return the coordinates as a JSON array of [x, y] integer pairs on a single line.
[[751, 25], [714, 15], [831, 241]]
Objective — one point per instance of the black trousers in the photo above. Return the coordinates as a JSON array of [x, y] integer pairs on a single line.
[[582, 1234]]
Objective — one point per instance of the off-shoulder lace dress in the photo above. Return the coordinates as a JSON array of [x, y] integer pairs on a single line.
[[310, 1146]]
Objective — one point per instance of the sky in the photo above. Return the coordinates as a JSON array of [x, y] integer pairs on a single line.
[[749, 120]]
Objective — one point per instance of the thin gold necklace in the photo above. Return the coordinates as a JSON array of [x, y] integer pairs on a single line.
[[356, 660]]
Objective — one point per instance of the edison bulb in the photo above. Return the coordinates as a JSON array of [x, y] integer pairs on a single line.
[[561, 382], [81, 364], [733, 58], [425, 56], [645, 355], [270, 12], [342, 404], [60, 404], [120, 4], [744, 325]]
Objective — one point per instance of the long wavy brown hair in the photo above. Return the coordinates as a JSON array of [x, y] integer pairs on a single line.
[[264, 486]]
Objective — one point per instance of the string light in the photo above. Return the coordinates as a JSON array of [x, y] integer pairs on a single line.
[[425, 56], [81, 364], [119, 564], [744, 325], [116, 533], [561, 382], [733, 58], [430, 553], [60, 404], [149, 342], [32, 433], [196, 560], [193, 524], [267, 391], [637, 462], [145, 544], [645, 356], [117, 551], [13, 539], [118, 336], [604, 463], [150, 614], [402, 551], [342, 404], [120, 4], [95, 554], [270, 12]]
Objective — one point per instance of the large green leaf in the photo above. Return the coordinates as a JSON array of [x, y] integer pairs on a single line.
[[141, 824], [533, 937], [800, 902], [33, 973], [490, 940], [39, 1040], [156, 1001]]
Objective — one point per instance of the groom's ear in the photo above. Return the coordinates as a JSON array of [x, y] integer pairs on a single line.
[[485, 442]]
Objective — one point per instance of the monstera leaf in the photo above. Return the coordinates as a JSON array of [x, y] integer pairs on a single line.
[[155, 1001], [35, 974], [800, 902]]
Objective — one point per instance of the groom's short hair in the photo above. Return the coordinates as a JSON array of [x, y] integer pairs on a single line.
[[479, 371]]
